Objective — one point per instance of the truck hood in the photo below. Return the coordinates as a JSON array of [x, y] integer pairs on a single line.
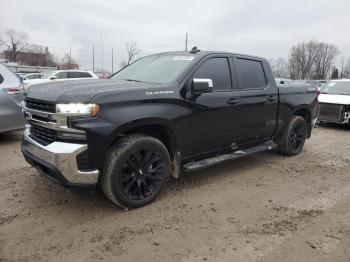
[[334, 99], [82, 91]]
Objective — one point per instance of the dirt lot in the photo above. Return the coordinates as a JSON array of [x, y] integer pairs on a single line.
[[263, 208]]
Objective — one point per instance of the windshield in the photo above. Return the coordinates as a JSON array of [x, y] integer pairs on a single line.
[[161, 68], [336, 88]]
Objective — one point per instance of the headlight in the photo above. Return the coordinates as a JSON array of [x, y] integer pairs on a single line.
[[79, 109]]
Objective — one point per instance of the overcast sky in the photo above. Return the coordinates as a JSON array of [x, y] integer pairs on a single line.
[[258, 27]]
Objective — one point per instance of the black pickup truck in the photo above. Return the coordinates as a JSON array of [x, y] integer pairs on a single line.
[[163, 114]]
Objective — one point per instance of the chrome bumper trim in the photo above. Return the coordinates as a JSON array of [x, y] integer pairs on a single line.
[[63, 157]]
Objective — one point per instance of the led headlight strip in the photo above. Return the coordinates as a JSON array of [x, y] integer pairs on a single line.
[[78, 108]]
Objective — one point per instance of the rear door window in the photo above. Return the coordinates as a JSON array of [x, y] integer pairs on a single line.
[[73, 74], [216, 69], [250, 73]]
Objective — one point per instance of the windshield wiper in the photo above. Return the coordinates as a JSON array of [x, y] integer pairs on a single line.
[[133, 80]]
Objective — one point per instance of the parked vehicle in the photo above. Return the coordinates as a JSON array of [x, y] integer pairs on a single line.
[[335, 102], [322, 83], [162, 114], [11, 95], [284, 81], [20, 75], [33, 76], [61, 75]]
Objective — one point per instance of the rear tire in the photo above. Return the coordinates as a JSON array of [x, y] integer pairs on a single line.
[[136, 171], [294, 139]]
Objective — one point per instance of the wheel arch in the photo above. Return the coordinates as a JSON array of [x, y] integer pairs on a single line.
[[305, 113], [157, 128]]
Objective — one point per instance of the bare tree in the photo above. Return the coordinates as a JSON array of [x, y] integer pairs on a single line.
[[279, 67], [335, 73], [17, 42], [346, 72], [325, 56], [311, 60], [301, 59], [342, 63], [132, 51], [68, 62]]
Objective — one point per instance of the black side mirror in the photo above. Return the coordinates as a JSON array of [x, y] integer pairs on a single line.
[[202, 85], [52, 78]]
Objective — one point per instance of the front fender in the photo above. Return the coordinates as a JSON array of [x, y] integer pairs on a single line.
[[103, 130]]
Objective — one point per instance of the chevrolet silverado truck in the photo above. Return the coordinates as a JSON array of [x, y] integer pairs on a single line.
[[162, 115]]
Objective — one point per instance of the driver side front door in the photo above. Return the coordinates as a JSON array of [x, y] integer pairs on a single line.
[[211, 122]]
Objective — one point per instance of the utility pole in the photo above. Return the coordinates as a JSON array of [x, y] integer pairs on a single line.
[[112, 62], [93, 58], [186, 42], [102, 51], [70, 58]]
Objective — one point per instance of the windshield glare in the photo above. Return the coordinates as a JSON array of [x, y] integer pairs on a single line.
[[162, 68], [336, 88]]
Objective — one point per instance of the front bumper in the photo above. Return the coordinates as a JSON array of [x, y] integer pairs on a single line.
[[334, 113], [58, 162]]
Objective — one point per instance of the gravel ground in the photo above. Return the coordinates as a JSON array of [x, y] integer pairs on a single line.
[[263, 208]]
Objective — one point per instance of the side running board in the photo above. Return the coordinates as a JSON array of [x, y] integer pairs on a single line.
[[212, 161]]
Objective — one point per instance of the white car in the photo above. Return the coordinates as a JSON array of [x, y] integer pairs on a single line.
[[33, 76], [334, 102], [61, 75]]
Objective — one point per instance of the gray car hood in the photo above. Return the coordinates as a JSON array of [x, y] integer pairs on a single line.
[[82, 90]]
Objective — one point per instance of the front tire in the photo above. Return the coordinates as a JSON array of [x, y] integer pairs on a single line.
[[136, 171], [294, 139]]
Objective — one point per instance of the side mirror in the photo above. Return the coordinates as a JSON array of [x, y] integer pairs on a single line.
[[202, 85], [52, 78]]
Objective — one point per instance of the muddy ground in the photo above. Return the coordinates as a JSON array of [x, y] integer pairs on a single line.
[[263, 208]]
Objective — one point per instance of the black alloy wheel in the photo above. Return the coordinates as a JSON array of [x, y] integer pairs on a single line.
[[142, 174], [298, 136], [136, 171]]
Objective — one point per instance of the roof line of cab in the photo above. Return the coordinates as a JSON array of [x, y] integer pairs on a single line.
[[205, 53]]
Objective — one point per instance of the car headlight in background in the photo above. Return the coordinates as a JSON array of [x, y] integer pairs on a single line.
[[78, 108]]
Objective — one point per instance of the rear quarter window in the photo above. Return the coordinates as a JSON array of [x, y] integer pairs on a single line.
[[250, 74], [85, 74], [1, 79]]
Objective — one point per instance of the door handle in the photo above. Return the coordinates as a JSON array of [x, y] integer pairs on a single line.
[[233, 101], [271, 99]]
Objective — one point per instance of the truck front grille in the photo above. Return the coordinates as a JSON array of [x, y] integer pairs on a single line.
[[40, 105], [43, 135], [331, 113]]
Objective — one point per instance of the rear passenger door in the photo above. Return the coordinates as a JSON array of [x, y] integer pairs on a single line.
[[258, 100]]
